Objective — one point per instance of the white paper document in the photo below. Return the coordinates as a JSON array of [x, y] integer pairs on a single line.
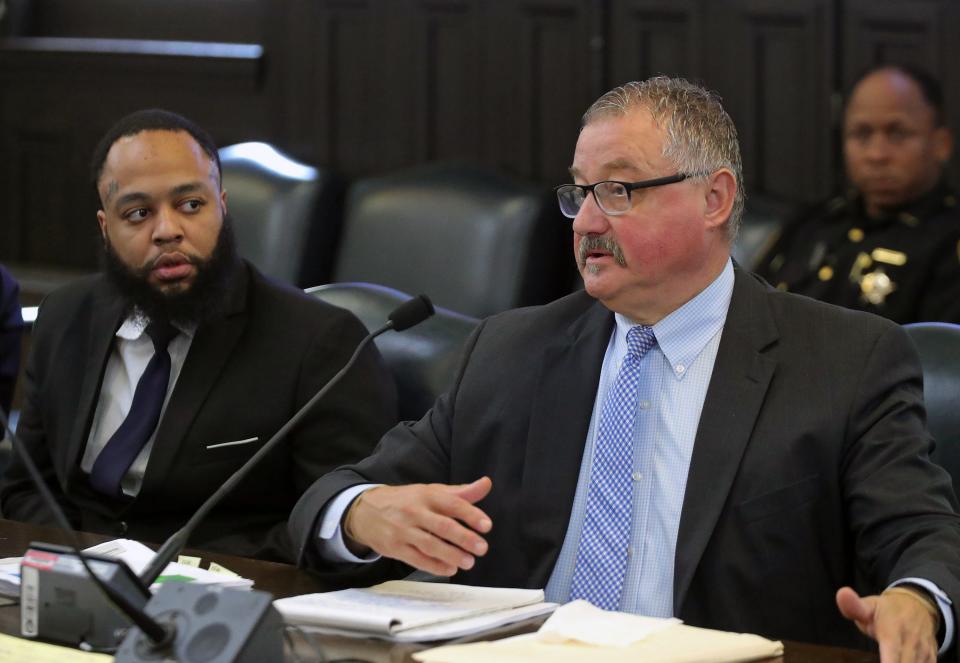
[[410, 611], [580, 632], [136, 556]]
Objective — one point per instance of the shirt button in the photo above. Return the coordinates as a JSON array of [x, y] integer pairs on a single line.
[[644, 405], [637, 476], [123, 526], [680, 369]]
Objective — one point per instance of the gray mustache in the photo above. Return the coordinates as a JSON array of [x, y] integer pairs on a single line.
[[594, 242]]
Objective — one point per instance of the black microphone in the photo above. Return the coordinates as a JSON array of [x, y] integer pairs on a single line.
[[408, 314]]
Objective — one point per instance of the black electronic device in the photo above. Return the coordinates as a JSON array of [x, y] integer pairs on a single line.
[[58, 602], [210, 625]]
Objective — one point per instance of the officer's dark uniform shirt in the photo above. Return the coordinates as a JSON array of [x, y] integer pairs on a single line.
[[904, 266]]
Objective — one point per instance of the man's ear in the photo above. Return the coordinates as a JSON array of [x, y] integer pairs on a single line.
[[102, 221], [942, 144], [720, 194], [223, 201]]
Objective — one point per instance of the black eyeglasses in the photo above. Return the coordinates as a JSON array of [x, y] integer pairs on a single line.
[[612, 197]]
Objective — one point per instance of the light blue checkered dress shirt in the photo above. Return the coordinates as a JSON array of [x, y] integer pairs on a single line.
[[677, 373]]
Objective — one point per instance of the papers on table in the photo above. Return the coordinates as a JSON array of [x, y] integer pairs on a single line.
[[137, 556], [20, 649], [408, 611], [581, 632], [10, 576]]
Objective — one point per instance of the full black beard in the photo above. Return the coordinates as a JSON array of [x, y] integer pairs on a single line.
[[203, 300]]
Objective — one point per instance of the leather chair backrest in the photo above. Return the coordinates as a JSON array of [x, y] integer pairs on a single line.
[[471, 239], [938, 344], [763, 220], [423, 359], [286, 214]]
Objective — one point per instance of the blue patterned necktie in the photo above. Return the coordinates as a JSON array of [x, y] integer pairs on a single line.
[[602, 555], [126, 443]]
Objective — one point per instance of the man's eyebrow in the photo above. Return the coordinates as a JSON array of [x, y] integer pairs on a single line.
[[189, 187], [132, 197], [616, 164]]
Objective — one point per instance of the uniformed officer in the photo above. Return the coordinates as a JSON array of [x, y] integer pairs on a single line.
[[892, 244]]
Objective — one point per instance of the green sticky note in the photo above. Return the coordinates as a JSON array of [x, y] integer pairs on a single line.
[[174, 578]]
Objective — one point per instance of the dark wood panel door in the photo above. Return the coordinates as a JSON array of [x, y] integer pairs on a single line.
[[541, 76], [773, 66]]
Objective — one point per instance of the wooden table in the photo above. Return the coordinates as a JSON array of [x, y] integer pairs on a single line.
[[283, 580]]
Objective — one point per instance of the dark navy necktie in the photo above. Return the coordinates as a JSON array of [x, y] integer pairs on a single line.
[[129, 439]]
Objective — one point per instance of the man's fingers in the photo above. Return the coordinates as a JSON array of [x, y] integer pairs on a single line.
[[853, 607], [453, 506], [448, 529], [441, 550], [410, 555], [889, 651], [472, 492]]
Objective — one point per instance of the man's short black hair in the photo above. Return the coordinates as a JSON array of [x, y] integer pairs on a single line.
[[929, 86], [150, 119]]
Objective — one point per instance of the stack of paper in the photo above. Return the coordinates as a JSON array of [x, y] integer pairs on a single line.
[[137, 556], [407, 611], [580, 632]]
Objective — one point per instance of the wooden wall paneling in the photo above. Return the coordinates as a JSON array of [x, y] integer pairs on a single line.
[[350, 106], [773, 69], [177, 20], [445, 81], [651, 37], [877, 31], [540, 76]]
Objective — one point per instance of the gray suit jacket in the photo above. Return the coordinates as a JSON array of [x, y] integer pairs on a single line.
[[810, 468], [246, 373]]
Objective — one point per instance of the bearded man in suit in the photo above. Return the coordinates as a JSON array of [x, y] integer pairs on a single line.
[[148, 385], [680, 439]]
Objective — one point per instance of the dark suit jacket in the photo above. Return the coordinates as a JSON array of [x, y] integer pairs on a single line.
[[11, 327], [810, 468], [246, 373]]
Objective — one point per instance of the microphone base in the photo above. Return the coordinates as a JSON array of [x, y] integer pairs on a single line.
[[212, 625], [59, 601]]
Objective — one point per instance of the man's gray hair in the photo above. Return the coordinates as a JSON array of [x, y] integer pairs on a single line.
[[700, 136]]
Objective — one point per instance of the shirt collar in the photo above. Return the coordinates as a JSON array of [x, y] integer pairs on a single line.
[[683, 334], [135, 325]]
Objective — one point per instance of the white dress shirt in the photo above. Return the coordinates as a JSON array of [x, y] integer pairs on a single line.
[[128, 359]]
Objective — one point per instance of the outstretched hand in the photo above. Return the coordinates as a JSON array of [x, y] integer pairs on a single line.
[[433, 527], [903, 626]]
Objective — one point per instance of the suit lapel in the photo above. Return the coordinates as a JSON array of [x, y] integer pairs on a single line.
[[212, 346], [107, 312], [560, 415], [737, 388]]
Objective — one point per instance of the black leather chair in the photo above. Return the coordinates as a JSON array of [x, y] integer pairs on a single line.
[[423, 359], [286, 215], [939, 346], [471, 239], [763, 219]]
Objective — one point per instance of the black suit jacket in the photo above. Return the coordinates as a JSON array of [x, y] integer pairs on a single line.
[[810, 468], [246, 373]]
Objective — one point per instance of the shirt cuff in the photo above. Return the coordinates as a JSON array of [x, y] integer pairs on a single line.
[[330, 543], [944, 604]]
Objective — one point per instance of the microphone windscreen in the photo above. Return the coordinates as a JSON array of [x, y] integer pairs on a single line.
[[411, 313]]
